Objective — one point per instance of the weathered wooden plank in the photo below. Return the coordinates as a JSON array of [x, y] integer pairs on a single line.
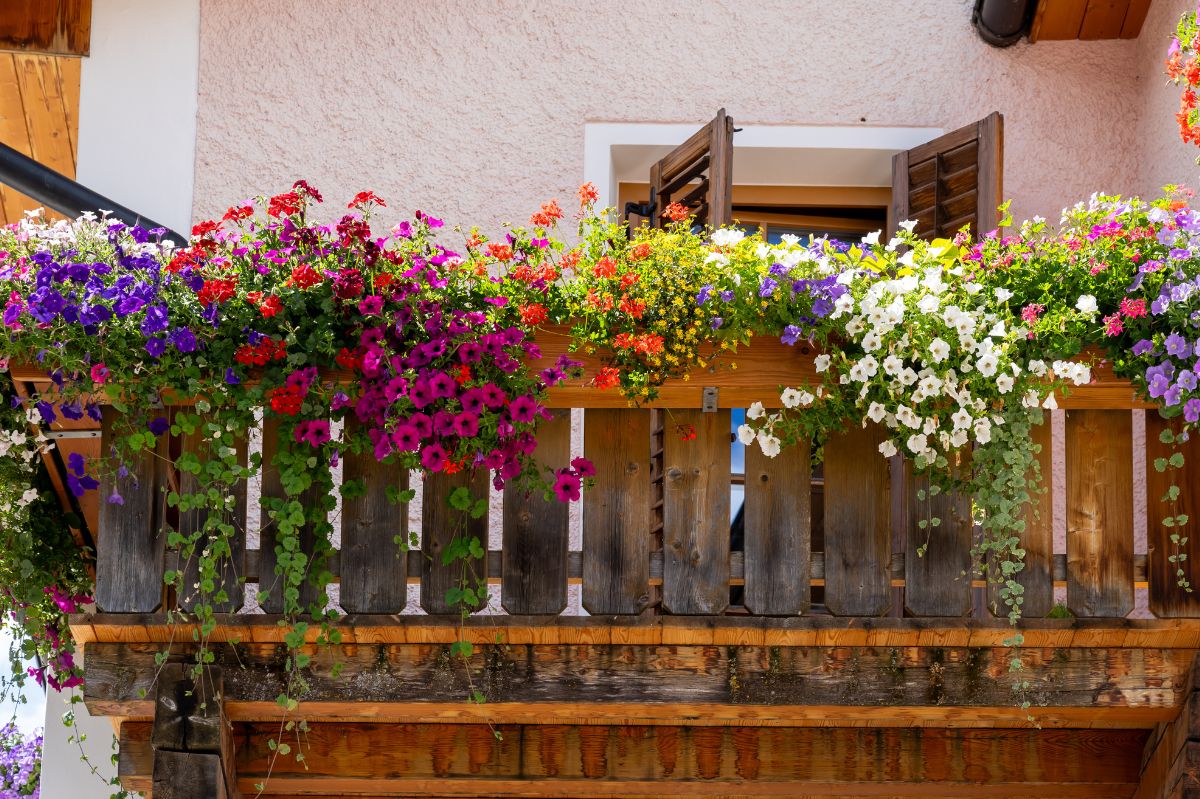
[[14, 133], [45, 116], [59, 27], [778, 517], [373, 564], [232, 569], [696, 512], [616, 512], [937, 563], [274, 441], [188, 775], [1167, 598], [129, 560], [441, 525], [857, 524], [537, 533], [1037, 575], [797, 756], [391, 680], [187, 712], [1099, 459]]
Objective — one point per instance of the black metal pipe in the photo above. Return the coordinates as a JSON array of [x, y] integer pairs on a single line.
[[64, 195], [1002, 22]]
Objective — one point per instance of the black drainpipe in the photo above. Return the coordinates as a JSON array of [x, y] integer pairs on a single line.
[[1002, 22], [64, 195]]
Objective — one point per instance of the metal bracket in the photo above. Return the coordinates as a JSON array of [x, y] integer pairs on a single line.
[[708, 402], [58, 434]]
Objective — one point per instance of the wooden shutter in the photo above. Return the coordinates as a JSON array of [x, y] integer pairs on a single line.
[[952, 181], [697, 174]]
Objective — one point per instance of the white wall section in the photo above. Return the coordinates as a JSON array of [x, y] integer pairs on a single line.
[[137, 107]]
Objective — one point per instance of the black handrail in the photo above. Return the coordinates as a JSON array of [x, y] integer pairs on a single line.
[[64, 195]]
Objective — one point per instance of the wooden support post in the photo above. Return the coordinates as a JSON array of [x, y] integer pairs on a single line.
[[1171, 757], [193, 747]]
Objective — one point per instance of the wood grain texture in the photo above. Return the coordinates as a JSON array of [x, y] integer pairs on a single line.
[[937, 563], [231, 570], [537, 533], [273, 441], [187, 775], [689, 680], [688, 755], [373, 566], [56, 27], [778, 518], [858, 542], [616, 512], [1037, 575], [696, 513], [1167, 598], [440, 526], [129, 560], [1099, 447]]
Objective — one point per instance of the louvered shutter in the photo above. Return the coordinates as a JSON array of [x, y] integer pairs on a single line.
[[951, 181], [697, 174]]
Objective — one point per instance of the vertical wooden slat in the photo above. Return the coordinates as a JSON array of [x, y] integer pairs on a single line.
[[989, 189], [129, 560], [1037, 575], [778, 517], [44, 115], [272, 488], [857, 523], [232, 569], [616, 512], [537, 533], [720, 171], [1099, 512], [898, 208], [373, 567], [1167, 599], [69, 74], [14, 133], [440, 526], [61, 27], [937, 578], [696, 513]]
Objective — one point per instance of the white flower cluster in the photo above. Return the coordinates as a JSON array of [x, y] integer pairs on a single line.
[[20, 446]]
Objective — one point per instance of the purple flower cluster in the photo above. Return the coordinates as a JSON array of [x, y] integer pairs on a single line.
[[20, 764]]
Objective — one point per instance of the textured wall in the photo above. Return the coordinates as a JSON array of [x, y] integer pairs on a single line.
[[477, 109], [1165, 157]]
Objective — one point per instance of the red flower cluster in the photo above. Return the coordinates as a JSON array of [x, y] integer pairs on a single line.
[[304, 277], [216, 291], [283, 204], [645, 344], [587, 194], [546, 217], [676, 212], [364, 198], [607, 377], [348, 359], [262, 353], [267, 307], [286, 400]]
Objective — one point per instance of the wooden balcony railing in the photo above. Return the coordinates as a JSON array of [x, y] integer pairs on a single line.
[[656, 533]]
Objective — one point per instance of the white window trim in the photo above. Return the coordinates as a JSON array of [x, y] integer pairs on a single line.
[[604, 140]]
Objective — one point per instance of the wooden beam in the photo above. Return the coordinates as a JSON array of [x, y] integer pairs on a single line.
[[55, 27], [672, 683], [671, 630], [1171, 759], [554, 760], [191, 741]]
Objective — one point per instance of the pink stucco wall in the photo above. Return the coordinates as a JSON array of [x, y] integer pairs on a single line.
[[477, 109], [1164, 157]]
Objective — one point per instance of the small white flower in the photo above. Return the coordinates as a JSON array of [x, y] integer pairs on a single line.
[[1003, 295], [806, 398], [939, 350], [918, 443], [866, 368], [1051, 403], [961, 419], [987, 364], [958, 438], [908, 376], [756, 411], [908, 417], [790, 398], [871, 239], [726, 237], [1087, 304], [1037, 368], [1004, 383], [1030, 400], [887, 449], [745, 434], [983, 431], [821, 362], [876, 412], [909, 224], [770, 444], [871, 341]]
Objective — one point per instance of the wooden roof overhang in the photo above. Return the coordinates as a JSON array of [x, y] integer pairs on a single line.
[[1088, 19]]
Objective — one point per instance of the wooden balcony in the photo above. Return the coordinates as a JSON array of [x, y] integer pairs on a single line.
[[646, 641]]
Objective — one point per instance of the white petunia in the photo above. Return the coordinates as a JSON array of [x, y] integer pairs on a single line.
[[1087, 304], [806, 398], [745, 434], [770, 444], [908, 376], [1030, 400], [876, 412], [1003, 295], [939, 350], [790, 398], [821, 362], [918, 443], [958, 438], [961, 419], [983, 431], [908, 417], [928, 304], [887, 449], [871, 239], [1004, 383], [1037, 368], [756, 411], [1051, 402], [726, 237], [909, 224], [872, 341], [987, 364]]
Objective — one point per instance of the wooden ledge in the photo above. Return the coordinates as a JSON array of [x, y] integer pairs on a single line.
[[671, 630]]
